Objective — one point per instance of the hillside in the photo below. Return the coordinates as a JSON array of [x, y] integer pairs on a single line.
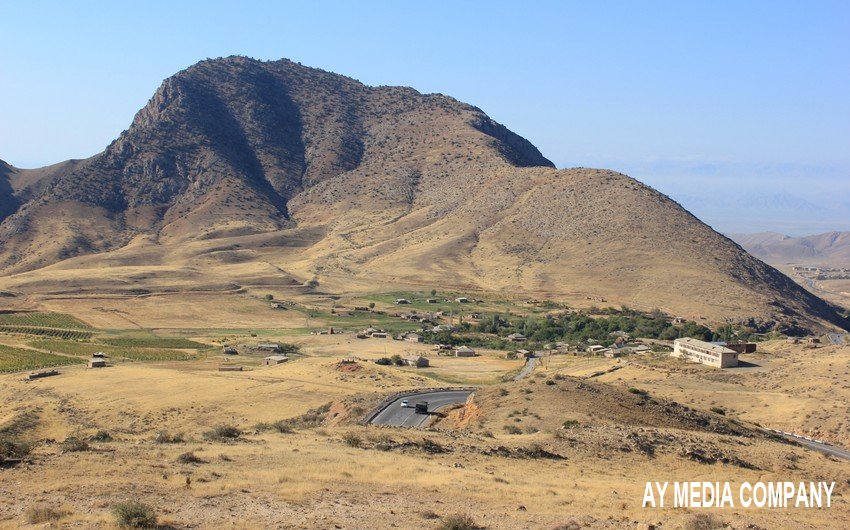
[[240, 173], [831, 249]]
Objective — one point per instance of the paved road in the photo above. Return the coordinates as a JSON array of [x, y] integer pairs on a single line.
[[530, 363], [396, 415], [817, 445]]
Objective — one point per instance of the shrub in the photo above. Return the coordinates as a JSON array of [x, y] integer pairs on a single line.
[[397, 360], [164, 437], [43, 514], [459, 522], [352, 440], [571, 424], [704, 521], [101, 436], [550, 382], [13, 448], [190, 458], [512, 429], [718, 410], [72, 444], [134, 514], [503, 392], [638, 391], [223, 433], [384, 361]]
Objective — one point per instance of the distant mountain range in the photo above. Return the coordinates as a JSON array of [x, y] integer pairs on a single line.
[[831, 249], [258, 174]]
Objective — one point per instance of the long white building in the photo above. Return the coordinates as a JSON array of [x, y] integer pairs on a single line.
[[704, 352]]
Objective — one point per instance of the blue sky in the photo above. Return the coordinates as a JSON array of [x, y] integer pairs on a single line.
[[722, 105]]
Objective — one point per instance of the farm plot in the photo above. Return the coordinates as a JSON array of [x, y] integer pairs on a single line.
[[85, 349], [66, 334], [19, 359], [39, 319]]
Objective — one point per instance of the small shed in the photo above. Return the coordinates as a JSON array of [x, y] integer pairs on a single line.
[[464, 351], [272, 360], [269, 346], [416, 360], [402, 301], [462, 300], [230, 350], [517, 337], [379, 334], [413, 337], [97, 362]]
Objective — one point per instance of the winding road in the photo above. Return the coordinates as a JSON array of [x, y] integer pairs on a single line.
[[393, 414], [817, 445]]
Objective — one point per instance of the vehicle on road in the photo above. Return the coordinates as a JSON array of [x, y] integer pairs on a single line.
[[405, 403], [422, 407]]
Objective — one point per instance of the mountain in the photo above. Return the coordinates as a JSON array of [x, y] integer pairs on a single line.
[[256, 173], [831, 249]]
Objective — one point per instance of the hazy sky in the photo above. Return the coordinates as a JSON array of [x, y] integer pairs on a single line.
[[739, 110]]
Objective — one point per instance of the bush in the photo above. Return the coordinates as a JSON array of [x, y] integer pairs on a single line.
[[384, 361], [190, 458], [571, 424], [164, 437], [72, 444], [704, 521], [459, 522], [639, 392], [223, 433], [352, 440], [101, 436], [43, 514], [134, 514], [397, 360], [512, 429], [503, 392], [550, 382], [13, 448], [718, 410]]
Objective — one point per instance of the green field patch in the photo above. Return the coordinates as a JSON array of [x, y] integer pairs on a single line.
[[19, 359], [42, 320], [65, 334], [85, 349], [152, 341]]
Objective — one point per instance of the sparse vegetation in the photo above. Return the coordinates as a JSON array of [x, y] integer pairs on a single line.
[[41, 514], [223, 433], [704, 521], [164, 437], [190, 458], [719, 410], [459, 522], [134, 514], [74, 444], [101, 436], [352, 440]]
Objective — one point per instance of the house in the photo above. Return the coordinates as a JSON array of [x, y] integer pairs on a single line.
[[441, 327], [432, 300], [269, 346], [742, 347], [464, 351], [413, 337], [272, 360], [97, 362], [415, 360], [516, 337], [793, 340], [596, 349], [611, 353], [230, 350], [462, 300], [643, 348], [402, 301], [813, 340], [439, 347], [278, 305], [379, 334], [98, 354], [704, 352]]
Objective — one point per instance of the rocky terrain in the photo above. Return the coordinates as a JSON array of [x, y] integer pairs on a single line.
[[243, 173]]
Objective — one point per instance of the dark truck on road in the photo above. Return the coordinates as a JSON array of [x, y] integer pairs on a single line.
[[422, 407]]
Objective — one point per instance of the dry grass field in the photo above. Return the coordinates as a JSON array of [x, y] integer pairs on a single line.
[[559, 448]]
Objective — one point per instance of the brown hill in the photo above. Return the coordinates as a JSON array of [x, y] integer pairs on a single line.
[[831, 249], [271, 173]]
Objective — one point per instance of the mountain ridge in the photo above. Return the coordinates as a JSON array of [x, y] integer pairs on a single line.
[[342, 180]]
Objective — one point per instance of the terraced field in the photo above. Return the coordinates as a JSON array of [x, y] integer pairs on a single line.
[[66, 334], [19, 359], [152, 341], [42, 320], [85, 349]]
